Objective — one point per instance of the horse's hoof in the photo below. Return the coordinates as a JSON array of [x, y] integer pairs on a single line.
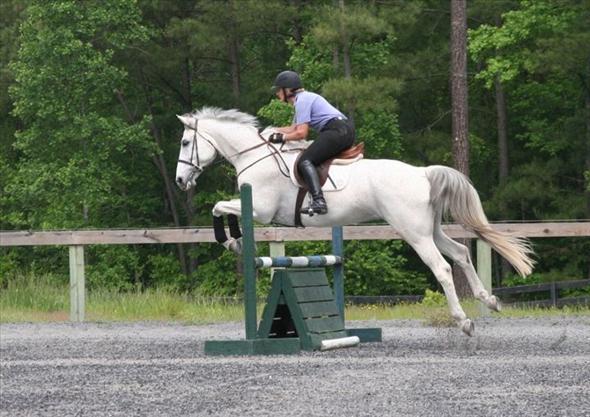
[[494, 304], [468, 327], [234, 245]]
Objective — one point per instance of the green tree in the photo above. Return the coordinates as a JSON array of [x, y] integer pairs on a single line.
[[77, 156], [541, 51], [76, 152], [540, 54]]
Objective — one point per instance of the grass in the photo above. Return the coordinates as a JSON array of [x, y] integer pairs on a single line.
[[35, 300]]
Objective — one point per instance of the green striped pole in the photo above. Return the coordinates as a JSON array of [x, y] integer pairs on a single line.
[[249, 268]]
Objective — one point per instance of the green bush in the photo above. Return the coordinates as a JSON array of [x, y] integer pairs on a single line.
[[113, 267], [379, 268], [434, 299]]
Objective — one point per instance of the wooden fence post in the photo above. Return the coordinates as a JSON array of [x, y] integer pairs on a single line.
[[77, 283], [484, 264], [484, 269], [553, 292], [276, 249]]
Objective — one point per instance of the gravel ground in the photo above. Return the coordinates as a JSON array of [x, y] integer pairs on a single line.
[[512, 367]]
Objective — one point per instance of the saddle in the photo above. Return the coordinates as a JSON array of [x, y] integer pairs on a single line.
[[349, 155]]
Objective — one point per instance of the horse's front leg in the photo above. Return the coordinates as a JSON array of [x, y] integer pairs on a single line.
[[232, 209]]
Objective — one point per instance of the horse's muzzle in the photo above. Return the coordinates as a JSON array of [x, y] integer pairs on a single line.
[[182, 184]]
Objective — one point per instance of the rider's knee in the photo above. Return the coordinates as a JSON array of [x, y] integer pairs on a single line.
[[303, 161]]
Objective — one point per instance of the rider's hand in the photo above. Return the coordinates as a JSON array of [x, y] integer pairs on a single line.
[[276, 138]]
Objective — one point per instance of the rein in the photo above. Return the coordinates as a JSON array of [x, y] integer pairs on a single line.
[[274, 152]]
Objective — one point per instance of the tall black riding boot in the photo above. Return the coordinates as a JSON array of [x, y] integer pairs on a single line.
[[310, 175]]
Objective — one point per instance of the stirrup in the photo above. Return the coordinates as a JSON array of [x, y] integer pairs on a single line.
[[311, 210], [307, 210]]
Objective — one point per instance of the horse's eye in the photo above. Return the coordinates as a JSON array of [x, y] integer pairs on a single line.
[[185, 143]]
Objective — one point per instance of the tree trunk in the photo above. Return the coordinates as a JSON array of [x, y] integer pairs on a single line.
[[502, 125], [346, 64], [345, 45], [503, 161], [190, 209], [587, 101], [296, 21], [168, 187], [160, 163], [459, 86], [234, 57], [234, 60], [588, 152], [460, 129], [188, 81]]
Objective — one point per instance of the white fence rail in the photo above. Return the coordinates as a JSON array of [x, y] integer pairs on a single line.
[[77, 239]]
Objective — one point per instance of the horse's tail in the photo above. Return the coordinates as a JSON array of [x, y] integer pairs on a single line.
[[452, 191]]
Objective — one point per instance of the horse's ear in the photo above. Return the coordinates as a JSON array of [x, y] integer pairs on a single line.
[[187, 121]]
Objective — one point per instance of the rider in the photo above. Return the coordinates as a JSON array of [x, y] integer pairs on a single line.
[[335, 132]]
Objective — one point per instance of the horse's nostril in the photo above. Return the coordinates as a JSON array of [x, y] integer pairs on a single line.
[[179, 180]]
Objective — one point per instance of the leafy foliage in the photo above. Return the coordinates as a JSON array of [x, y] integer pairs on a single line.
[[89, 137]]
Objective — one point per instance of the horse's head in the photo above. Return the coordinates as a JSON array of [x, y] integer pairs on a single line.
[[196, 152]]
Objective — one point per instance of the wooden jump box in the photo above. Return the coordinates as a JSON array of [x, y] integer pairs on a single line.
[[300, 314]]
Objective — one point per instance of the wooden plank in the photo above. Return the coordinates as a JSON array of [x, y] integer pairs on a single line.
[[382, 299], [308, 277], [366, 334], [325, 325], [283, 346], [308, 294], [272, 301], [582, 300], [319, 309], [520, 289], [293, 305], [265, 234], [581, 283], [110, 237]]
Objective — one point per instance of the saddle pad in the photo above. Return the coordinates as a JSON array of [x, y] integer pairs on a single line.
[[338, 177]]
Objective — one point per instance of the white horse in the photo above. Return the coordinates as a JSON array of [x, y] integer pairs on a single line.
[[411, 199]]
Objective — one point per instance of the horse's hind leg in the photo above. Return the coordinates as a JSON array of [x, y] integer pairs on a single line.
[[460, 254], [428, 252]]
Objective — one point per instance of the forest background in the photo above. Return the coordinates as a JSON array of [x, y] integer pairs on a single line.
[[89, 139]]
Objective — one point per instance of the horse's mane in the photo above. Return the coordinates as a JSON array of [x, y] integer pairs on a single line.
[[232, 115], [236, 116]]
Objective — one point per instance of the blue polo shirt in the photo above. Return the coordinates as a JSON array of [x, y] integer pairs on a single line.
[[314, 109]]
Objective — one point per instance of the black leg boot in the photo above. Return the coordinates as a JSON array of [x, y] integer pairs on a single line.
[[310, 174]]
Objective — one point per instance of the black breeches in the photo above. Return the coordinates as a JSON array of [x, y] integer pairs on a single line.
[[334, 138]]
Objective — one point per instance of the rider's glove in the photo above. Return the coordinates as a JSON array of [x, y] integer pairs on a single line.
[[276, 138]]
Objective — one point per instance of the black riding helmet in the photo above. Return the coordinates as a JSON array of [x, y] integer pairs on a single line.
[[287, 79]]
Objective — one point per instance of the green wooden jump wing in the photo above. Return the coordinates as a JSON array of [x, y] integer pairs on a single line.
[[301, 304]]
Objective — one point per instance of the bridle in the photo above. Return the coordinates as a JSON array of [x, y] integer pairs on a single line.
[[198, 168]]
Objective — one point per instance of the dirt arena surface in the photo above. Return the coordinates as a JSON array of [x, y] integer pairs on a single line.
[[512, 367]]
